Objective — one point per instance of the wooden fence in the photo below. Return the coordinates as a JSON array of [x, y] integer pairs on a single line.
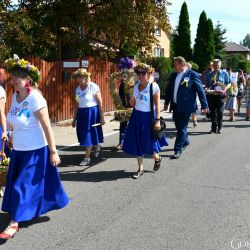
[[58, 87]]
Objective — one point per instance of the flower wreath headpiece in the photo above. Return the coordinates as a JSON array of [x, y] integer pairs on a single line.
[[143, 67], [81, 73], [15, 63]]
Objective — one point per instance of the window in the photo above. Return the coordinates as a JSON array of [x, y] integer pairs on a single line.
[[157, 32], [158, 52]]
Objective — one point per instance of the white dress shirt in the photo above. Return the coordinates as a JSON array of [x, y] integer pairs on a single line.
[[177, 83]]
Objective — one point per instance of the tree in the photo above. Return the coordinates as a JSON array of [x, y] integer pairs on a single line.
[[129, 25], [55, 29], [204, 42], [182, 35], [246, 41], [219, 41], [233, 61], [163, 66], [210, 41]]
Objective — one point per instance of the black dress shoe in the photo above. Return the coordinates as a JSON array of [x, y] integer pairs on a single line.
[[212, 131], [184, 147], [176, 156], [219, 131]]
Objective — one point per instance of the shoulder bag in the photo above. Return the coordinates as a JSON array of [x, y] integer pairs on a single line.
[[156, 134]]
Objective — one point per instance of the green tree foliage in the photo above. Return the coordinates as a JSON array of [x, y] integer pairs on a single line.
[[182, 35], [233, 61], [194, 66], [219, 41], [246, 41], [204, 43], [129, 25], [210, 41], [245, 66], [5, 19], [55, 29], [164, 66]]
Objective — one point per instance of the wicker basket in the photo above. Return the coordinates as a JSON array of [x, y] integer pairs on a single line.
[[3, 168], [3, 177], [123, 115]]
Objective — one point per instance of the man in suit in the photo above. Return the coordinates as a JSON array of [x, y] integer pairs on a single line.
[[181, 93]]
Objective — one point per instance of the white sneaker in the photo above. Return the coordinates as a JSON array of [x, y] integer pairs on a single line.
[[85, 162], [97, 151]]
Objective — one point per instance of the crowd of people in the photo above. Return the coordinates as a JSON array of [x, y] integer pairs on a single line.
[[33, 184]]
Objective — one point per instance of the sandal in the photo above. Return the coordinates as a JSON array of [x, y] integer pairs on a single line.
[[118, 147], [138, 174], [97, 151], [157, 164], [9, 232]]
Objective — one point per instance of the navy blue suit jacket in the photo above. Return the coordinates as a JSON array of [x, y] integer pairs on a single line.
[[186, 94]]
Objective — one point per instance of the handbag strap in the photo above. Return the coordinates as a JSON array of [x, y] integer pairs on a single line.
[[151, 102]]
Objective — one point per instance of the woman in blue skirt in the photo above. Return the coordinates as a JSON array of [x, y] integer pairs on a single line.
[[138, 139], [88, 112], [33, 184]]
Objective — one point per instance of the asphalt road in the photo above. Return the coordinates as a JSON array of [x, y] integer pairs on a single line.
[[200, 201]]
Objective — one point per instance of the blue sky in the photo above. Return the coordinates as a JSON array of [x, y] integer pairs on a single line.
[[233, 15]]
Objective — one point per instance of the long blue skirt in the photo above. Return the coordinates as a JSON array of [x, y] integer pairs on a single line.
[[33, 185], [138, 139], [86, 134]]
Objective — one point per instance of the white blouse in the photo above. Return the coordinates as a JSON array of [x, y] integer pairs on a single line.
[[85, 98], [143, 97]]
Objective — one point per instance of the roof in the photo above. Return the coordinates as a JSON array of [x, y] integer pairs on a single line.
[[234, 47]]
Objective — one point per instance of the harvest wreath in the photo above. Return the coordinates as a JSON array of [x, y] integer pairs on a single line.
[[122, 81]]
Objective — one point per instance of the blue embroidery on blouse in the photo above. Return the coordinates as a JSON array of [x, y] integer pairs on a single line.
[[25, 110]]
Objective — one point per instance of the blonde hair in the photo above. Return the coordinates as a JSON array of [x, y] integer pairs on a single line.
[[180, 60], [82, 73]]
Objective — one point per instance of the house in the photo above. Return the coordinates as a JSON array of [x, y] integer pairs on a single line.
[[162, 49], [234, 48]]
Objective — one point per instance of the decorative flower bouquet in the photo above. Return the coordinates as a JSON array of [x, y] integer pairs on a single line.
[[217, 89]]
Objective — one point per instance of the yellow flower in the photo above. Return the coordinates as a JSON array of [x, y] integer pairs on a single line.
[[186, 79]]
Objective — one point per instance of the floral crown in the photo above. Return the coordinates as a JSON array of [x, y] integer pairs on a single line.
[[144, 68], [16, 63], [81, 73]]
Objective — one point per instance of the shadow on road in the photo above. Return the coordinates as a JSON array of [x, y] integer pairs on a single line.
[[38, 220], [5, 219], [96, 176], [194, 133], [237, 126], [106, 153]]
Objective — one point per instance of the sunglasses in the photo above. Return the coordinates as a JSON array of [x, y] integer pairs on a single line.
[[141, 73]]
